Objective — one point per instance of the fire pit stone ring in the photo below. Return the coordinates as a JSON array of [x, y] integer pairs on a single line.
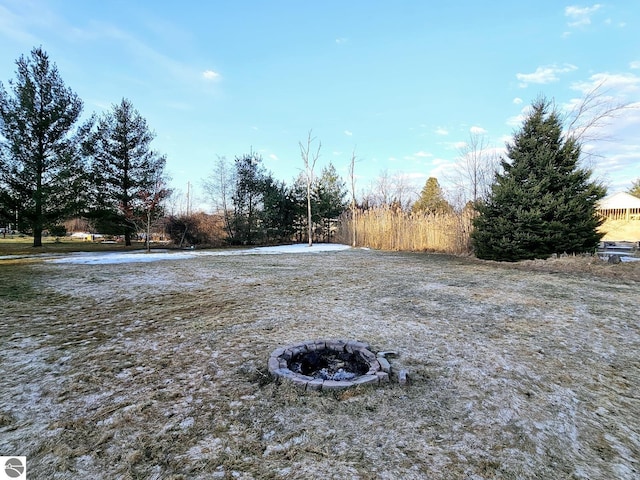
[[327, 365]]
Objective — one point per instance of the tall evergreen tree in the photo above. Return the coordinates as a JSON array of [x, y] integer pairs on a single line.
[[278, 211], [432, 199], [543, 202], [39, 160], [248, 197], [330, 194], [124, 169]]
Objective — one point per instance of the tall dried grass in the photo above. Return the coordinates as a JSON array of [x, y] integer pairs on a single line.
[[386, 228]]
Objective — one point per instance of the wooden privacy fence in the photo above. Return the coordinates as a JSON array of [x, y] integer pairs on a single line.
[[386, 228]]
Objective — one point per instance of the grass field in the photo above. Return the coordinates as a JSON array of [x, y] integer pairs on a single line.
[[158, 370], [23, 245]]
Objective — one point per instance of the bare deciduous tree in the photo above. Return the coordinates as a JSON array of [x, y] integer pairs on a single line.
[[219, 188], [309, 158], [152, 199], [473, 173], [388, 190], [595, 110], [352, 181]]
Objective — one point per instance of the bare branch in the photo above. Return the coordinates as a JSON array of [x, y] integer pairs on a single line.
[[475, 169], [309, 160], [352, 178], [596, 110]]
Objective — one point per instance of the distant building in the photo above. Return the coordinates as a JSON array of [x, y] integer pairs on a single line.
[[620, 206]]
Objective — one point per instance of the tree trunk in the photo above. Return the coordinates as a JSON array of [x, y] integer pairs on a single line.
[[148, 231], [37, 221], [37, 236], [309, 214]]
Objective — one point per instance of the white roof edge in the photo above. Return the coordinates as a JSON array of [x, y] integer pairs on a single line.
[[620, 200]]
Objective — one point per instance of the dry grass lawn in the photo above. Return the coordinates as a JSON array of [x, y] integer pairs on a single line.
[[158, 370]]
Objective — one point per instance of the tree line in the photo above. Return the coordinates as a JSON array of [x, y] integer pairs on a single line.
[[536, 201], [256, 208], [53, 166]]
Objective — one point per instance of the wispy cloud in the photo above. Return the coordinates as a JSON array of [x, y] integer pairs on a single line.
[[422, 154], [348, 133], [517, 120], [211, 75], [517, 101], [580, 16], [442, 131], [545, 74], [634, 65], [19, 19], [12, 26], [477, 130], [611, 83], [341, 40]]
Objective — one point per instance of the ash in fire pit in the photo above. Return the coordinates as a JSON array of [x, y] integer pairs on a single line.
[[327, 364]]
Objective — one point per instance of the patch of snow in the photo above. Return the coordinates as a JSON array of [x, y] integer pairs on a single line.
[[187, 423], [141, 256]]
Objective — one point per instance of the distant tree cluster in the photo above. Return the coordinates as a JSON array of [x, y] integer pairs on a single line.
[[258, 209], [53, 168], [537, 202]]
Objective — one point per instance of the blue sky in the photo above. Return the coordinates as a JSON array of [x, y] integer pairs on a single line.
[[402, 83]]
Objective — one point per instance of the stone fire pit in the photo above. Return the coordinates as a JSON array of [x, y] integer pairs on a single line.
[[328, 364]]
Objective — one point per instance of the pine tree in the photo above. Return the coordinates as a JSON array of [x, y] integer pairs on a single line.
[[635, 188], [125, 169], [40, 167], [329, 193], [543, 202], [248, 197], [278, 211], [432, 199]]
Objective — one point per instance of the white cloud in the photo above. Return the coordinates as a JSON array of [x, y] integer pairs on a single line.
[[634, 65], [545, 74], [620, 82], [517, 100], [211, 75], [341, 40], [348, 133], [442, 131], [580, 16], [517, 120], [423, 154], [477, 130], [273, 156]]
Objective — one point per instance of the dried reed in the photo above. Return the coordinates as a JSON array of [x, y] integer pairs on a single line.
[[385, 228]]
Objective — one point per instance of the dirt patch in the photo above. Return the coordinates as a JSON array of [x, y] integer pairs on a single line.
[[160, 370]]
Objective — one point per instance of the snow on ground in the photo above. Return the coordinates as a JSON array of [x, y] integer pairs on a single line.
[[141, 256]]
